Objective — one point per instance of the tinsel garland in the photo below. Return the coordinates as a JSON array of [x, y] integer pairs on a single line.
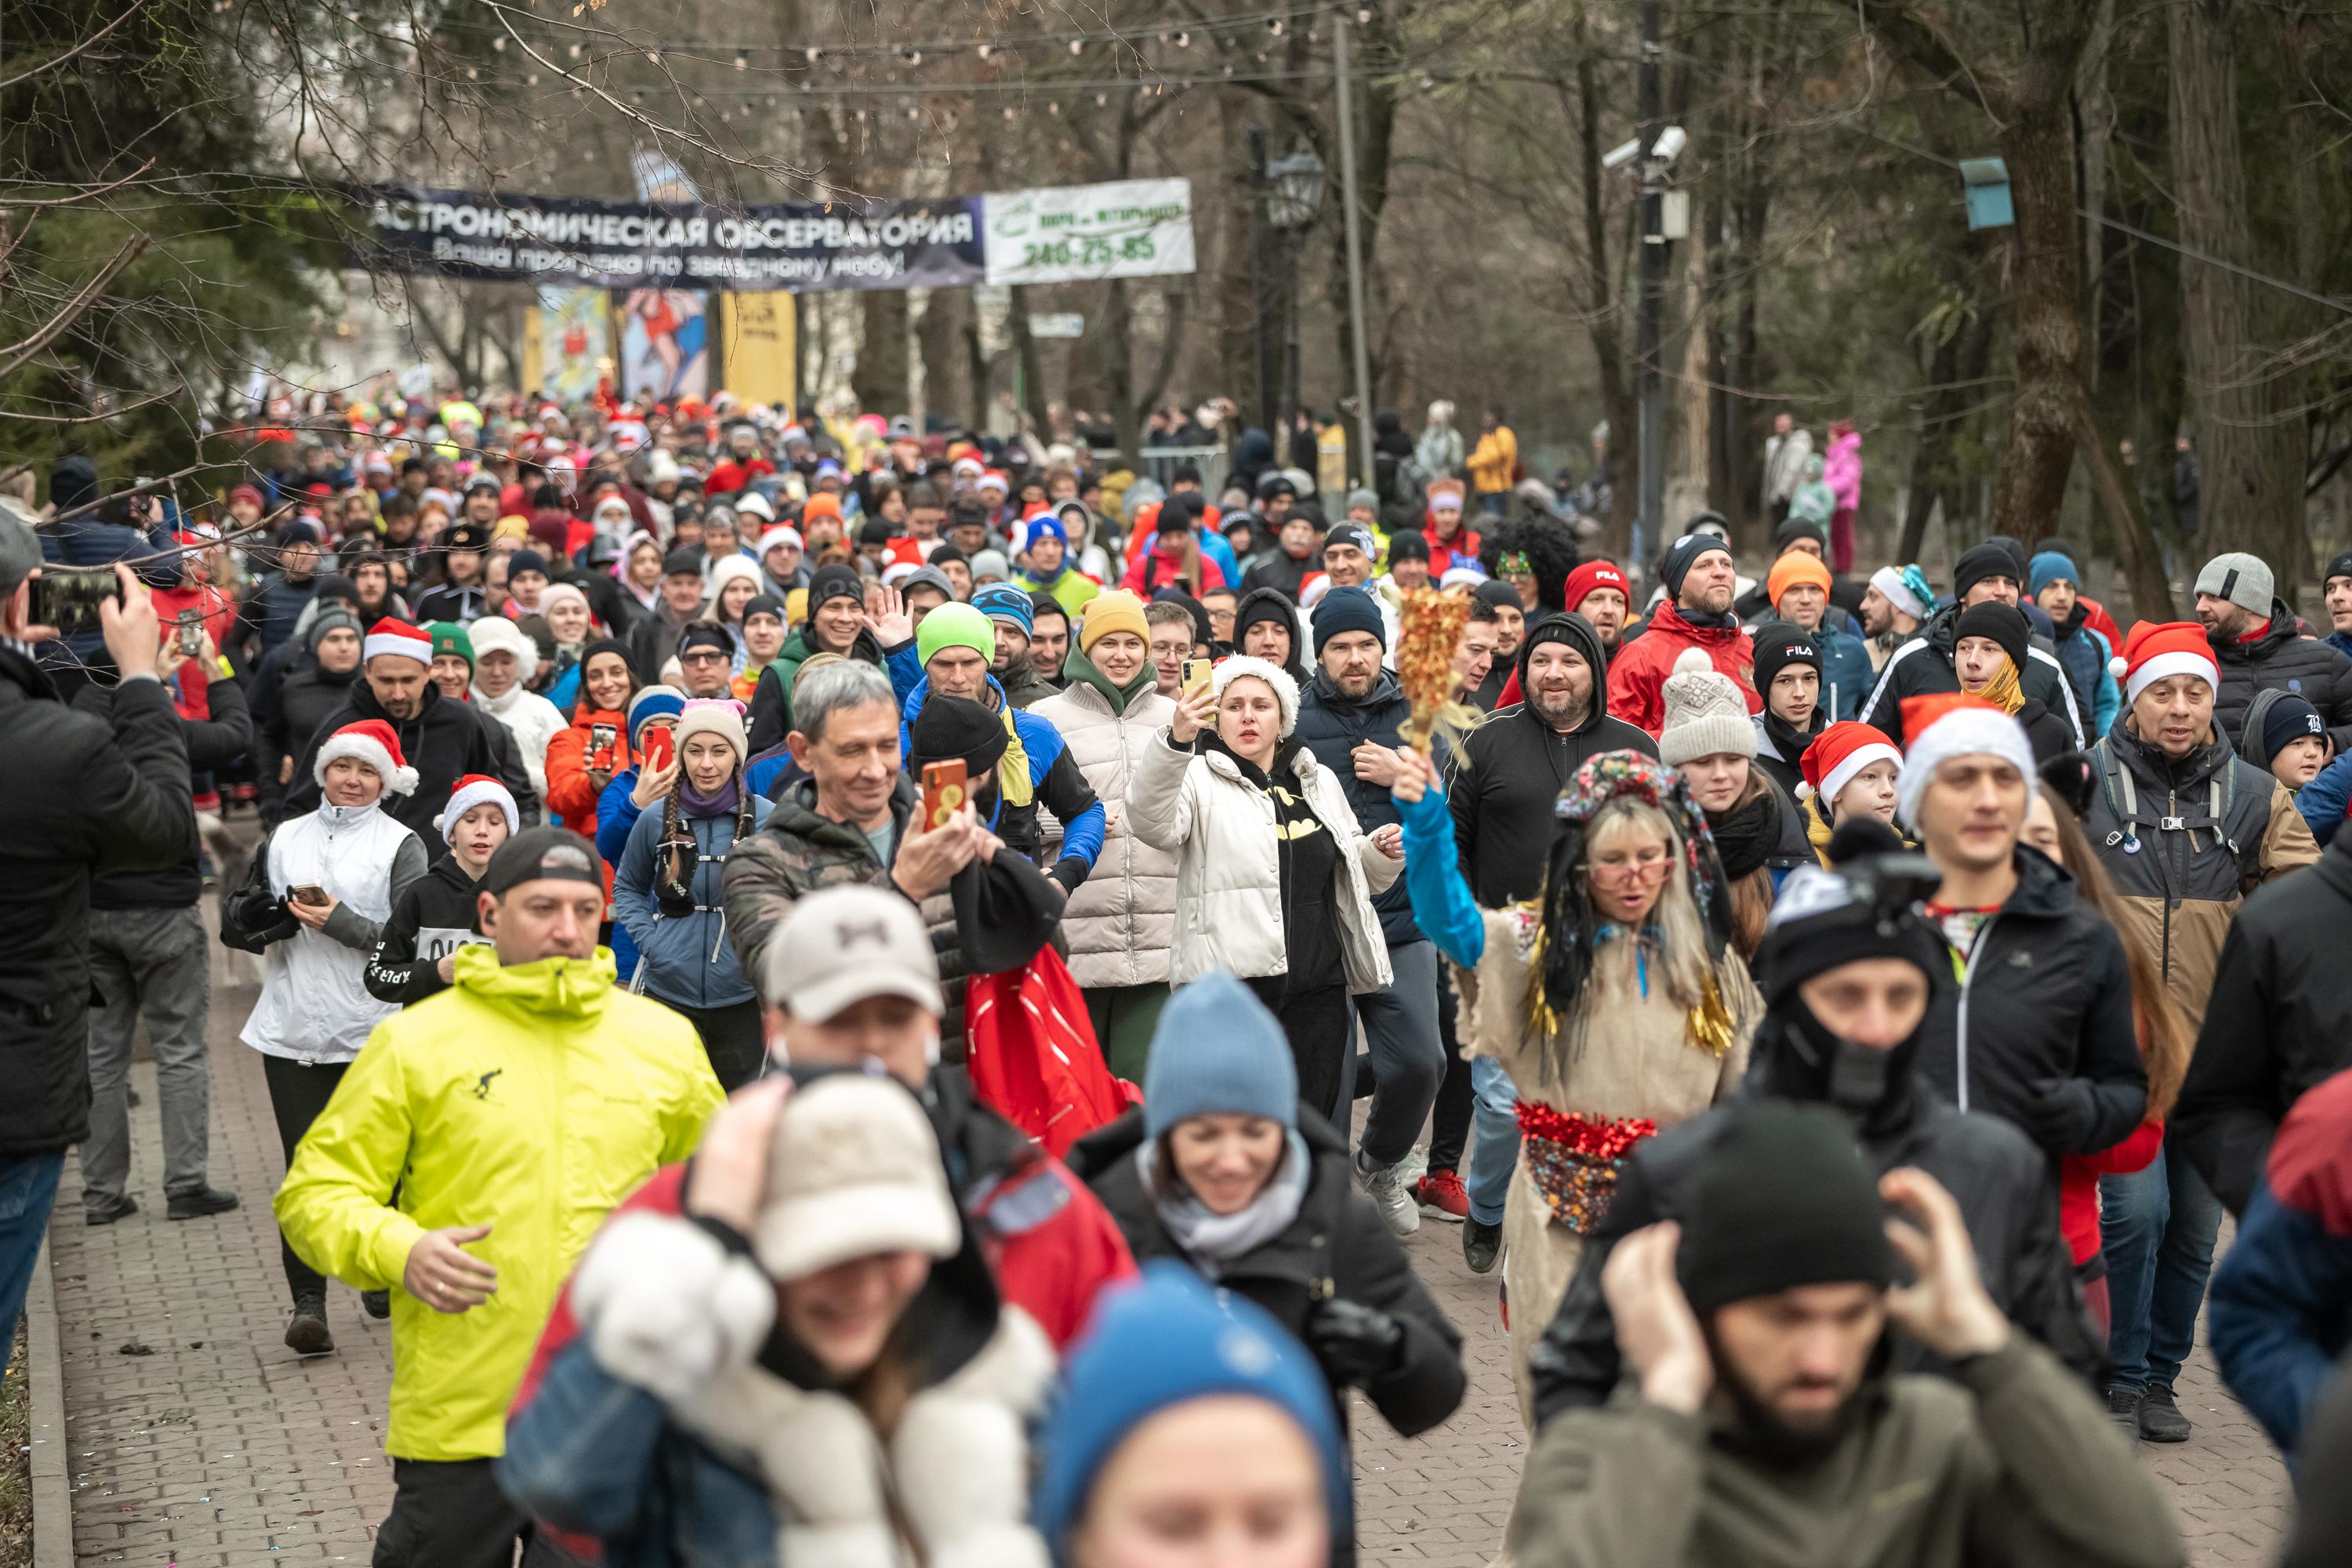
[[1591, 1137]]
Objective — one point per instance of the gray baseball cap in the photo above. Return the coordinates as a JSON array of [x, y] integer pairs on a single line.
[[841, 946]]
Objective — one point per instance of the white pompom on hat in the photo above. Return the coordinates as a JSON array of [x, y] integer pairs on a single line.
[[473, 790], [1707, 713], [369, 740]]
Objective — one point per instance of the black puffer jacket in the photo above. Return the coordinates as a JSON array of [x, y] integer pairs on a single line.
[[1514, 766], [2279, 660], [302, 702], [213, 743], [2009, 1198], [1338, 1246], [2044, 999], [443, 742], [435, 915], [1922, 665], [2279, 1022], [1332, 727], [83, 797]]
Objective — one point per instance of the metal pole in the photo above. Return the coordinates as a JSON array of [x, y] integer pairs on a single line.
[[1357, 320], [1262, 283], [1649, 518]]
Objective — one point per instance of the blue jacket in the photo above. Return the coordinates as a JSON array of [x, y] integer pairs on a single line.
[[1847, 674], [2326, 800], [690, 959], [2340, 641], [616, 813], [1332, 728], [2280, 1307], [1055, 780], [2083, 653]]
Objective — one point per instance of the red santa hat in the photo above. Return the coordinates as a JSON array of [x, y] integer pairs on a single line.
[[369, 740], [1839, 752], [995, 479], [2153, 649], [1951, 724], [396, 636], [473, 790]]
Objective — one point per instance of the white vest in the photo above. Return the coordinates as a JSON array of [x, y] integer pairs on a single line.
[[314, 1003]]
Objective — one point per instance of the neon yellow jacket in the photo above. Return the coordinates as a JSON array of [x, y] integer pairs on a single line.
[[531, 1099]]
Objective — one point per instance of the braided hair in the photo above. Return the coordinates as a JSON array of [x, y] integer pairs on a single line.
[[680, 854]]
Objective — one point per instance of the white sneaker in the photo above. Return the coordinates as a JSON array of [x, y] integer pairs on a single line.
[[1391, 1191]]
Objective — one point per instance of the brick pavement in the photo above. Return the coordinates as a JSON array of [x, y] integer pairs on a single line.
[[223, 1449]]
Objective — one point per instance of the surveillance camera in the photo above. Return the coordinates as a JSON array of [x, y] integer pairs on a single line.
[[1622, 154], [1669, 144]]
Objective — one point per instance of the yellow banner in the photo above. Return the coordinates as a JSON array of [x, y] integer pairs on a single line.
[[758, 352]]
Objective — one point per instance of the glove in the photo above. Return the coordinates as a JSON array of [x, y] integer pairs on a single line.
[[2060, 1113], [1356, 1344], [1070, 873]]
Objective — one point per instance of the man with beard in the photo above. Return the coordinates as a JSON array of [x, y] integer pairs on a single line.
[[1700, 581], [1760, 1425], [1296, 556], [2259, 647], [1848, 972], [1895, 604]]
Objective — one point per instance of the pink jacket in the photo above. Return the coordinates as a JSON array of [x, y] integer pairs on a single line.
[[1842, 470]]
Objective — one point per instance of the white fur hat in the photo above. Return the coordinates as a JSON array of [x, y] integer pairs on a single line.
[[1285, 690], [372, 742], [496, 634]]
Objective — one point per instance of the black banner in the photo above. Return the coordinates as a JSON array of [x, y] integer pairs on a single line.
[[498, 237]]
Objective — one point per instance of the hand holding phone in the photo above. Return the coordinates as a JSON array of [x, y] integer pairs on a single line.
[[660, 749], [1197, 671], [946, 788], [307, 893]]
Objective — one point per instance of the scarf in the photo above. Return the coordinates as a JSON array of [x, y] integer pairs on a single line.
[[1213, 1240], [693, 803], [2003, 690], [1787, 739], [1745, 834]]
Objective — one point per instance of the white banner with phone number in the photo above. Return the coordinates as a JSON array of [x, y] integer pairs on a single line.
[[1129, 228]]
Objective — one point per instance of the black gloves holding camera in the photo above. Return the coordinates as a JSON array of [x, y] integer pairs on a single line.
[[1356, 1344]]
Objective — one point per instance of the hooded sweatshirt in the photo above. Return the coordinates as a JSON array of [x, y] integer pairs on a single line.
[[1514, 766]]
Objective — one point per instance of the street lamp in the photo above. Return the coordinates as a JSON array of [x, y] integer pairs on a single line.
[[1294, 197], [1294, 191]]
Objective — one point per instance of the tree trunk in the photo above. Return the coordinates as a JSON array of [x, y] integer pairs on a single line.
[[1603, 320], [1689, 434], [1032, 373], [939, 335], [879, 381], [2250, 444], [2098, 116], [1958, 360]]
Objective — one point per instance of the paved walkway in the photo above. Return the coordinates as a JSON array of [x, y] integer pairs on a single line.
[[197, 1440]]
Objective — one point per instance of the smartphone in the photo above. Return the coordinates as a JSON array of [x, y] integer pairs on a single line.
[[307, 893], [661, 748], [945, 790], [190, 634], [602, 738], [1196, 670], [67, 598]]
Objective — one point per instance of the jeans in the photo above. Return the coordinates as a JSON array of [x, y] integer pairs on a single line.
[[299, 1091], [1400, 1029], [28, 1187], [1494, 503], [1495, 1149], [1449, 1118], [2158, 1227], [154, 961]]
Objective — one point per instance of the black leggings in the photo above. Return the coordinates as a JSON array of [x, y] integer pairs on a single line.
[[1449, 1123], [298, 1092], [734, 1038], [1321, 1031]]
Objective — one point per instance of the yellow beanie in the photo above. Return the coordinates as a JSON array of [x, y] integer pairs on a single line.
[[1117, 610]]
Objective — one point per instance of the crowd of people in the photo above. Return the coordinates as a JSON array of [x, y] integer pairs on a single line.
[[1835, 1010]]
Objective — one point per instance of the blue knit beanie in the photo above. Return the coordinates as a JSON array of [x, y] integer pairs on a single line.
[[653, 703], [1163, 1342], [1348, 610], [1003, 602], [1216, 1051], [2047, 567]]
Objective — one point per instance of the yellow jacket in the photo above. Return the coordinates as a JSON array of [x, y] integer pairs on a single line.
[[531, 1099], [1493, 459]]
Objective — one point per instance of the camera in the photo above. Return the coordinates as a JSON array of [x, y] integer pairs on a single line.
[[67, 598]]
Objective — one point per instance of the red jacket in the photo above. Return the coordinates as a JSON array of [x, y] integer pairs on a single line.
[[2078, 1186], [1151, 570], [2095, 616], [1637, 677]]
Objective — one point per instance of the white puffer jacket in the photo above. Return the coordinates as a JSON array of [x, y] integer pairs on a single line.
[[533, 720], [1121, 922], [314, 1005], [1220, 828]]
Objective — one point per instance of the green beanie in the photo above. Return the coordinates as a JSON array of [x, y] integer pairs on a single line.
[[448, 637], [955, 625]]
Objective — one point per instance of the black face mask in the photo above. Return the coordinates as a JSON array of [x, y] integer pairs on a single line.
[[1871, 1088]]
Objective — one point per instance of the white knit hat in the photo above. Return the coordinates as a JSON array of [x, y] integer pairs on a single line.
[[1958, 726], [555, 594], [375, 743], [496, 634], [1707, 714], [721, 716], [1285, 690], [473, 790], [727, 568]]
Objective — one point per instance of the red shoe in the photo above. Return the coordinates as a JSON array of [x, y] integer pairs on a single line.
[[1443, 1196]]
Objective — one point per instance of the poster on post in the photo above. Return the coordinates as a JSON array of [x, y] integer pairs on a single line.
[[665, 343], [573, 329], [1073, 233]]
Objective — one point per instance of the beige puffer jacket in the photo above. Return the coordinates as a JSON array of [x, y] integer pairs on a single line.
[[1228, 868], [1121, 922]]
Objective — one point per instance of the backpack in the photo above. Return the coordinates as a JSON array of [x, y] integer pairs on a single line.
[[251, 916]]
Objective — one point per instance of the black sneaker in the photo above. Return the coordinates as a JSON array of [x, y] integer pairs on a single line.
[[2123, 1409], [377, 1304], [1480, 1244], [107, 1214], [200, 1203], [307, 1333], [2161, 1420]]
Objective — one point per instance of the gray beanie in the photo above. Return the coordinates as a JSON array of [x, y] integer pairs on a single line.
[[1705, 712], [20, 550], [1370, 500], [1216, 1051], [2241, 578]]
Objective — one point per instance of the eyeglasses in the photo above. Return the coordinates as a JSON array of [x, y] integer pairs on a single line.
[[702, 656], [1623, 873]]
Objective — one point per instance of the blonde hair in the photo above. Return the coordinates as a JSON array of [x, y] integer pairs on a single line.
[[1682, 960]]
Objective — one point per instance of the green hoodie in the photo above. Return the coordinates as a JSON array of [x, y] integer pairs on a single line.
[[1077, 669]]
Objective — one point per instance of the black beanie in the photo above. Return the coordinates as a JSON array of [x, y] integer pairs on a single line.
[[1265, 606], [1348, 610], [2285, 717], [1780, 1199], [956, 727], [1679, 557], [705, 634], [835, 582], [2004, 624], [1797, 528], [1499, 593], [1779, 645], [1991, 559], [1856, 911], [2340, 567], [684, 562]]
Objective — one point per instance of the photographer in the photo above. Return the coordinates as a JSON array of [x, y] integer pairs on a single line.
[[83, 529], [87, 799]]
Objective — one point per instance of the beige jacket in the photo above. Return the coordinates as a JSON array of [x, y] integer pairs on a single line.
[[1121, 922], [1220, 828]]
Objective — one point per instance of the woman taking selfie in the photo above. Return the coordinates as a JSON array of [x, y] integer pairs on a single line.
[[665, 886], [834, 1382], [338, 870], [1274, 878], [1615, 1000]]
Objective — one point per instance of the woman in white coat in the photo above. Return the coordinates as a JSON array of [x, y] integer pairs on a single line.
[[1273, 878], [338, 870], [505, 661]]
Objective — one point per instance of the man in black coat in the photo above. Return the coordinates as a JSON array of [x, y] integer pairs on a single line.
[[2259, 647], [1850, 974], [149, 955], [300, 703], [83, 798], [443, 740], [1923, 665], [2278, 1023]]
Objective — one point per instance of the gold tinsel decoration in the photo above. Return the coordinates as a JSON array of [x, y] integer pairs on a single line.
[[1429, 627], [1708, 1025]]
